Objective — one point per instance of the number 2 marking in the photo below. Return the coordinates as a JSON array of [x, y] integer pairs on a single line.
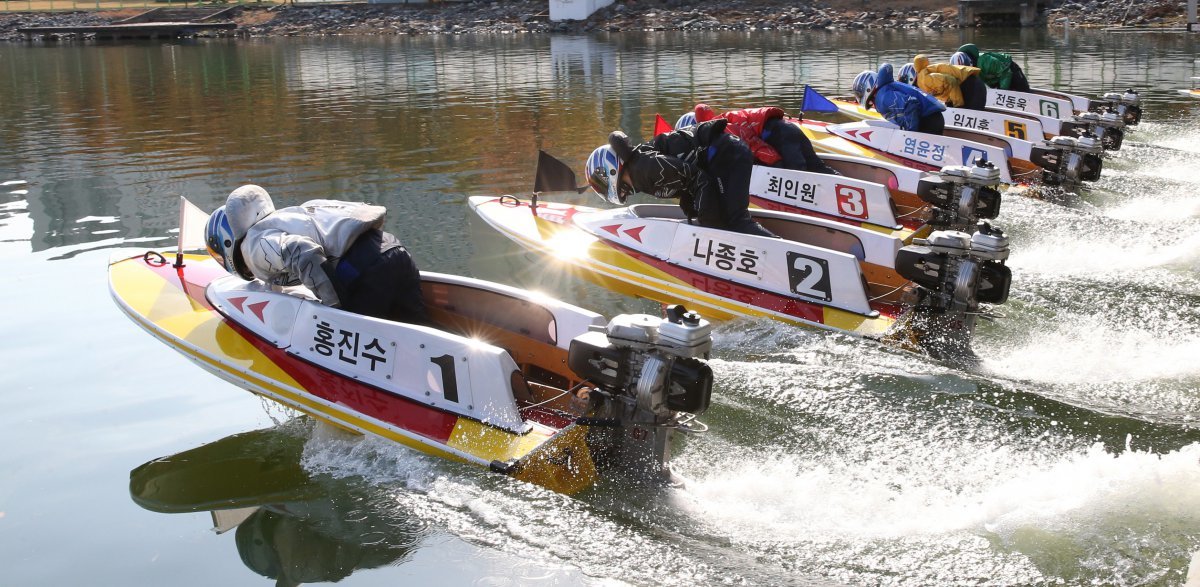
[[809, 276]]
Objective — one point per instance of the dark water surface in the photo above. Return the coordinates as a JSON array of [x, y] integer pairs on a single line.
[[1071, 456]]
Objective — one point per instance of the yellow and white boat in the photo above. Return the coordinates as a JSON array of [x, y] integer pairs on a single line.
[[822, 273], [504, 378]]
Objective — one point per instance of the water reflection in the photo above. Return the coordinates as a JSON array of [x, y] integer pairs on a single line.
[[117, 131], [288, 525]]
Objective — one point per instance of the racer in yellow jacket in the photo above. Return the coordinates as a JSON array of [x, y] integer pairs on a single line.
[[958, 86]]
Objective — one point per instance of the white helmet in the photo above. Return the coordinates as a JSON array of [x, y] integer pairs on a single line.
[[863, 84], [960, 58], [245, 206], [907, 74], [688, 119], [603, 172]]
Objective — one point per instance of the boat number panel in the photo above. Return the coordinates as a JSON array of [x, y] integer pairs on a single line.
[[807, 272], [411, 361], [1029, 103], [828, 194], [990, 122]]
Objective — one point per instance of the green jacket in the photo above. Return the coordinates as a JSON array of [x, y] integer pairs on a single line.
[[995, 69]]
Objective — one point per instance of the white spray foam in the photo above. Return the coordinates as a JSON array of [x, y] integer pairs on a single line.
[[1092, 350], [1103, 254], [786, 499], [1181, 137], [1085, 493], [1169, 209]]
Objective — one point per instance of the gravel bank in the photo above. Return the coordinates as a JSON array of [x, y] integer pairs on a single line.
[[530, 16]]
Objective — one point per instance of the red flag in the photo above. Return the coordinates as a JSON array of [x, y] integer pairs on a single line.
[[661, 126]]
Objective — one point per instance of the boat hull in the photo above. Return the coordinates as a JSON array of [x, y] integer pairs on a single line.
[[170, 303], [553, 234]]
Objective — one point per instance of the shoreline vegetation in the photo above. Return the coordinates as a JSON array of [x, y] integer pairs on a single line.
[[530, 16]]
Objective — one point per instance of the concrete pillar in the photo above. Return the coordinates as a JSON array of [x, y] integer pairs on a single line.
[[575, 9], [966, 14], [1029, 13]]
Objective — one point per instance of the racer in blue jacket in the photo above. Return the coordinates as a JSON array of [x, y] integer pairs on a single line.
[[905, 106]]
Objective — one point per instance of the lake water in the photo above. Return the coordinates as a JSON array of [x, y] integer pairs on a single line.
[[1070, 456]]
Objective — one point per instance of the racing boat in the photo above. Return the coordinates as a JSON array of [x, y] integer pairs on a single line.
[[1011, 115], [874, 193], [503, 378], [821, 273], [953, 198], [1061, 160], [1125, 105], [1008, 124], [917, 150], [1107, 126]]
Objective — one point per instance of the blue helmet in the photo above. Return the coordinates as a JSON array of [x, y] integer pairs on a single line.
[[603, 171], [863, 84], [688, 119], [907, 74], [961, 58], [218, 238]]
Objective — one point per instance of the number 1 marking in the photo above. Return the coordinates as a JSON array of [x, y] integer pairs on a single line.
[[449, 379]]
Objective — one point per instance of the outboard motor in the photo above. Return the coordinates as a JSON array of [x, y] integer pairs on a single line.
[[650, 370], [954, 272], [1069, 160], [961, 195], [1127, 106], [1108, 126]]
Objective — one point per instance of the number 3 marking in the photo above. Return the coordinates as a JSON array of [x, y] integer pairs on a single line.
[[852, 201]]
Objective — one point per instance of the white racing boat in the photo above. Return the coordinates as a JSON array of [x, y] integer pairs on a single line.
[[504, 378], [821, 273]]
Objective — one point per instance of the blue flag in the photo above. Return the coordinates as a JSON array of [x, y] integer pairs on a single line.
[[815, 102]]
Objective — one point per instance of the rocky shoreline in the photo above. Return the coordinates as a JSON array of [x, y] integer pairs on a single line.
[[530, 16]]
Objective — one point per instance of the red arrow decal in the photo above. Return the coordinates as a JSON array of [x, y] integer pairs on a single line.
[[613, 228], [258, 308], [636, 233], [237, 303], [866, 136], [853, 133]]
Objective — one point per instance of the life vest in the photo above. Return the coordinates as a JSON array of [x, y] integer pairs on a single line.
[[942, 80]]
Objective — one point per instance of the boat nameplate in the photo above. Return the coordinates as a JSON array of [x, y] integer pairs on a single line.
[[834, 195]]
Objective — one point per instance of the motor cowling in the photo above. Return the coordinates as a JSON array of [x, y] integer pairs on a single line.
[[961, 195], [1069, 160], [1106, 125], [1125, 105], [651, 363], [957, 271]]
